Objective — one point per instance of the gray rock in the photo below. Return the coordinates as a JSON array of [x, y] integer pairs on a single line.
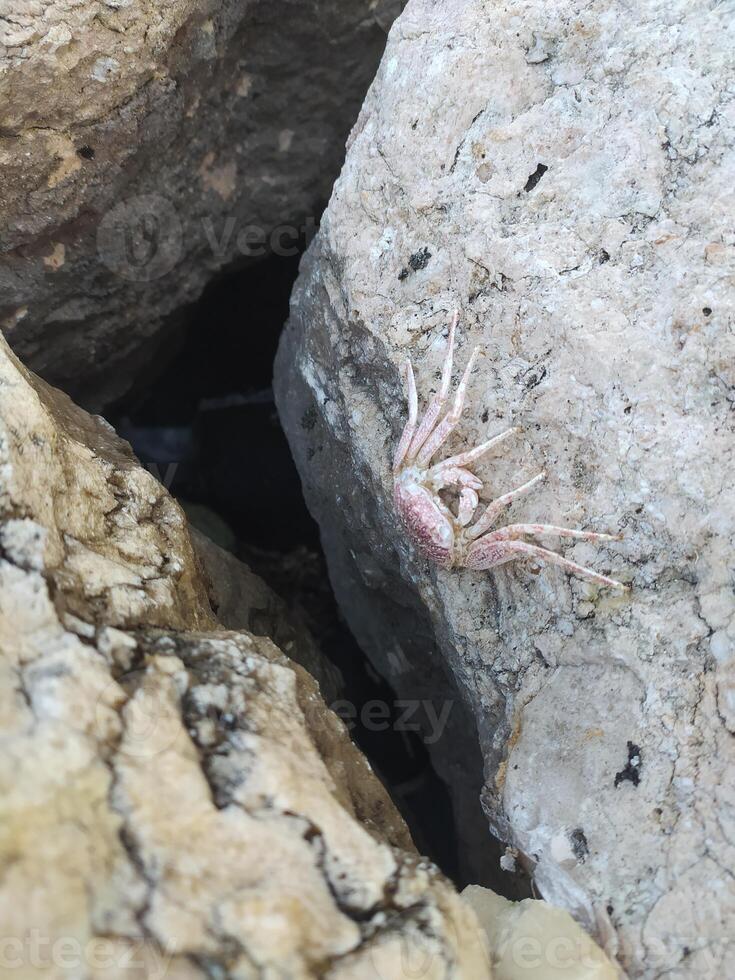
[[145, 147], [577, 207]]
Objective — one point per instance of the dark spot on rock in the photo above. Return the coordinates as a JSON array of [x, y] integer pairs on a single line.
[[632, 771], [610, 910], [579, 844], [535, 177], [604, 256], [485, 416], [86, 152], [628, 409], [419, 260], [534, 377], [309, 419], [707, 310], [311, 833]]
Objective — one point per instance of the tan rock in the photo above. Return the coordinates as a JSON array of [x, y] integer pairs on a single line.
[[243, 601], [139, 144], [175, 798], [535, 940]]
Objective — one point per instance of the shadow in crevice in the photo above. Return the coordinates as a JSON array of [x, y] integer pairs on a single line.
[[205, 424]]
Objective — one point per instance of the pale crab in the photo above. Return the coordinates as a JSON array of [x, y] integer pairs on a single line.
[[452, 540]]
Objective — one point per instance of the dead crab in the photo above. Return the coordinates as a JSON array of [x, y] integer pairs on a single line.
[[450, 540]]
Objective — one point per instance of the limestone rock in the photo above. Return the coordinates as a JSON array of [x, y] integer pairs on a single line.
[[175, 798], [532, 939], [564, 175], [243, 601], [144, 146]]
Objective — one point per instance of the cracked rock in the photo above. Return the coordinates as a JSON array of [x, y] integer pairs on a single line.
[[576, 208], [175, 797]]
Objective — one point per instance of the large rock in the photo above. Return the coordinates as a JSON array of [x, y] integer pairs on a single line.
[[175, 798], [564, 175], [144, 146]]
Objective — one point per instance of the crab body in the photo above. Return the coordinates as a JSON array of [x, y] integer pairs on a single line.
[[450, 539], [426, 518]]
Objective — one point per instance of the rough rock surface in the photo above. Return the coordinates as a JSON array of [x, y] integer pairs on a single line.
[[564, 174], [175, 798], [138, 144], [242, 601], [533, 940]]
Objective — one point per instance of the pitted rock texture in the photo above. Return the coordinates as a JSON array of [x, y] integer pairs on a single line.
[[242, 601], [175, 798], [145, 146], [564, 175]]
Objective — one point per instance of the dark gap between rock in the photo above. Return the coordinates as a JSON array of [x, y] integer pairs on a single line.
[[206, 425]]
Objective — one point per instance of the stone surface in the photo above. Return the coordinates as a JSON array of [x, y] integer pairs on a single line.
[[175, 798], [243, 601], [534, 940], [564, 175], [138, 144]]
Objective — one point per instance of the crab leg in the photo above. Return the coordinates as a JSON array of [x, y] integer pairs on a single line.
[[471, 455], [437, 403], [454, 477], [468, 501], [487, 519], [413, 411], [484, 554], [442, 432], [514, 531]]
